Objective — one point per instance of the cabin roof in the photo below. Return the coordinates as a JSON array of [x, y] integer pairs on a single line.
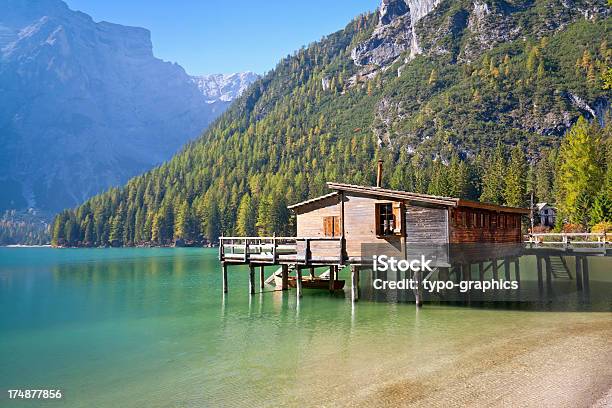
[[540, 206], [408, 196], [313, 200], [403, 195]]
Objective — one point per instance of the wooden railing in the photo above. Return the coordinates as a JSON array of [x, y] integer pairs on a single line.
[[571, 239], [279, 250]]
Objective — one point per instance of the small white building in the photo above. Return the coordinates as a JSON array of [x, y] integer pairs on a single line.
[[546, 214]]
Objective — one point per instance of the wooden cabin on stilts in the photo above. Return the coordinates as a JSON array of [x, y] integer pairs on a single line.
[[334, 231]]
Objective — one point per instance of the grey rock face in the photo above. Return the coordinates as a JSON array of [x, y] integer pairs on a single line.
[[395, 32], [84, 105], [412, 27]]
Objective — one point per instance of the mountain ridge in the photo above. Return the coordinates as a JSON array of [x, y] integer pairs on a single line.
[[86, 105], [318, 116]]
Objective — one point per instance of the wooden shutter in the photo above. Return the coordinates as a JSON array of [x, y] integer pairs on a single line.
[[398, 218], [337, 231], [328, 226]]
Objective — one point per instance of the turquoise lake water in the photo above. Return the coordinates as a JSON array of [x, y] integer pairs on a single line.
[[150, 327]]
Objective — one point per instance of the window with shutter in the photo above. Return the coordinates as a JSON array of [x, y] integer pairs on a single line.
[[331, 226], [385, 219]]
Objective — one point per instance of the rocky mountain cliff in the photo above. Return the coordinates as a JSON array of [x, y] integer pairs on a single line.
[[85, 105]]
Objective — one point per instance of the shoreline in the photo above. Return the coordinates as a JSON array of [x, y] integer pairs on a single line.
[[565, 366]]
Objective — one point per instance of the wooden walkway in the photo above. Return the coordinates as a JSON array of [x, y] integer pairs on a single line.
[[595, 244], [280, 250]]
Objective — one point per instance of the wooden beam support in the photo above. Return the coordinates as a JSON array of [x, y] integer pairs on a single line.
[[507, 269], [251, 279], [539, 268], [517, 271], [354, 283], [332, 278], [285, 277], [467, 272], [578, 273], [481, 271], [418, 294], [262, 277], [549, 275], [585, 272], [298, 284], [495, 269], [224, 274]]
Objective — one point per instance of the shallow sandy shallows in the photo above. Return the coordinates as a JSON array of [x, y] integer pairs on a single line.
[[567, 362]]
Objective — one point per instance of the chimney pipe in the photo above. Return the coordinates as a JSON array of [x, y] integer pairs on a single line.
[[379, 173]]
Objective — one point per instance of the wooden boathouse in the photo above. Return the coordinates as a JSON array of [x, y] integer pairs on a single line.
[[332, 230]]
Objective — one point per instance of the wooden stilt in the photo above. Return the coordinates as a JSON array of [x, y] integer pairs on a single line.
[[262, 277], [578, 273], [467, 272], [494, 266], [517, 271], [251, 279], [539, 268], [507, 269], [354, 283], [285, 277], [311, 272], [224, 274], [298, 281], [418, 292], [332, 277], [549, 276], [585, 272], [480, 271]]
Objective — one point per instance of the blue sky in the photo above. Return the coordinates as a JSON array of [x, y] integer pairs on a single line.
[[208, 37]]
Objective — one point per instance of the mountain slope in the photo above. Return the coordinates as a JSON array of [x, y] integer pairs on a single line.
[[326, 113], [85, 105]]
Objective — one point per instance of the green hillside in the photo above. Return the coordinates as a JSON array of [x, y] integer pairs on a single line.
[[488, 128]]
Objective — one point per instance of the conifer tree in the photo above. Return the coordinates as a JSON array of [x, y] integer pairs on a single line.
[[493, 178], [247, 217], [579, 176], [515, 184]]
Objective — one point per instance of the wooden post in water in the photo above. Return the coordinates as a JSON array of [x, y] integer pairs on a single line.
[[548, 272], [298, 281], [418, 293], [312, 274], [507, 268], [494, 267], [262, 276], [467, 271], [354, 283], [285, 277], [332, 278], [585, 272], [251, 279], [517, 271], [578, 273], [540, 279], [224, 273]]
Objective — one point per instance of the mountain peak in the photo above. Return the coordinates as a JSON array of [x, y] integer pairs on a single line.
[[224, 87]]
